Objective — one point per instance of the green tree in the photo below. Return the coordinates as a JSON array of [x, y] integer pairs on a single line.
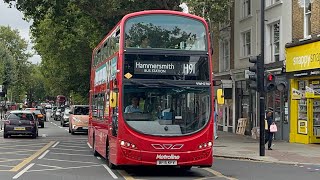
[[16, 67]]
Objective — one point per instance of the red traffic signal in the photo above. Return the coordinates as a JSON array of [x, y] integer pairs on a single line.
[[270, 77]]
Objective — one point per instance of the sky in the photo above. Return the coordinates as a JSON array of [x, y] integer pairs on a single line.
[[13, 18]]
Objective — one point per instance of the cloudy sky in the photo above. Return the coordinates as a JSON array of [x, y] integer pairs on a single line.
[[13, 18]]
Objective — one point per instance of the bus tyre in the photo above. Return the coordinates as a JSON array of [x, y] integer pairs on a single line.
[[95, 153], [109, 164], [186, 168]]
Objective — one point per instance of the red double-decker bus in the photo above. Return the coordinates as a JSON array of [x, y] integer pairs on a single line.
[[151, 92]]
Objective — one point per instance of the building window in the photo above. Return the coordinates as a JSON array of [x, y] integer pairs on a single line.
[[307, 18], [246, 43], [246, 8], [271, 2], [275, 41], [224, 55]]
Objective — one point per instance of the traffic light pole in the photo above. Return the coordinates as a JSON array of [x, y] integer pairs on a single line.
[[262, 92]]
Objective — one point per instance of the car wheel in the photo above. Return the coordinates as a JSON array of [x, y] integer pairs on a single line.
[[5, 135], [34, 135], [69, 130]]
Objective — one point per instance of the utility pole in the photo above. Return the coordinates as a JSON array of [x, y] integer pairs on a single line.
[[262, 93]]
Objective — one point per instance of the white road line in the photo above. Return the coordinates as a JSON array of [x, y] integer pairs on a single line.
[[317, 169], [110, 172], [62, 149], [78, 147], [98, 157], [89, 145], [23, 171], [79, 167], [44, 154], [56, 144], [44, 165], [71, 154], [60, 127], [62, 160]]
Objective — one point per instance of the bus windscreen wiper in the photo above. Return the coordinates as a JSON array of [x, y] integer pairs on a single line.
[[175, 85], [140, 83]]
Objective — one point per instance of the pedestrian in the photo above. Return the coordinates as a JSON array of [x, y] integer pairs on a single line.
[[215, 125], [268, 134]]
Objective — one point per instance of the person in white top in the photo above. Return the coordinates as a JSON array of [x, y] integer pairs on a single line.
[[134, 107]]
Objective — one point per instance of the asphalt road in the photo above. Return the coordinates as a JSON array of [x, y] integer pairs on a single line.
[[58, 155]]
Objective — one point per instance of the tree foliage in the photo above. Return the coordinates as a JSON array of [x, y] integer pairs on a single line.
[[65, 32], [14, 61]]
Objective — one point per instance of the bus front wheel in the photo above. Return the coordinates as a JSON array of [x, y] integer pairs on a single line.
[[109, 163]]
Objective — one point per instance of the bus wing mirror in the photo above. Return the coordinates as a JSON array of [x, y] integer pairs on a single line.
[[220, 96], [113, 99]]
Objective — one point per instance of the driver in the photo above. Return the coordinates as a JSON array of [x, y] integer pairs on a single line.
[[134, 107]]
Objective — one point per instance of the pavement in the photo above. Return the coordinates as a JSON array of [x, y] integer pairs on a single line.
[[230, 145]]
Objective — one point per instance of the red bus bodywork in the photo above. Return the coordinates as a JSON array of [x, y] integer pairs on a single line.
[[130, 147]]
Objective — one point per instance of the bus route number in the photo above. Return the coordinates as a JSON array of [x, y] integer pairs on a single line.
[[189, 69]]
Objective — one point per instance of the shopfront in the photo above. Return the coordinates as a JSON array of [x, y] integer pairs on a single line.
[[303, 70]]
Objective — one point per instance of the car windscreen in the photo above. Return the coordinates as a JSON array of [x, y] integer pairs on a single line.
[[81, 110], [20, 116]]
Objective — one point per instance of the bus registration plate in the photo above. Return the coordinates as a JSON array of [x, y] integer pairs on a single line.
[[167, 163]]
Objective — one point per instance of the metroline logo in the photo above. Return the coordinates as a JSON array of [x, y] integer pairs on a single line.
[[172, 156]]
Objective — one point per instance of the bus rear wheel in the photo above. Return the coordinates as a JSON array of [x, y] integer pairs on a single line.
[[109, 164], [95, 152]]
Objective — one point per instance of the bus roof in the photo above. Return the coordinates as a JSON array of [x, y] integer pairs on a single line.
[[146, 12]]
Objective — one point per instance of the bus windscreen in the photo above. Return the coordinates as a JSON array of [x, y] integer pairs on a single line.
[[165, 32]]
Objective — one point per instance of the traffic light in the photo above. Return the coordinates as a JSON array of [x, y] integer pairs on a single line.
[[270, 82], [256, 79]]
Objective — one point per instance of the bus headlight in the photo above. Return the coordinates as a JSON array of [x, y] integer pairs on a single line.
[[127, 144], [206, 144]]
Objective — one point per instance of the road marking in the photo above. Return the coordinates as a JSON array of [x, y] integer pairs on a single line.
[[31, 145], [60, 127], [301, 166], [80, 147], [6, 166], [71, 154], [110, 172], [45, 153], [125, 175], [17, 152], [98, 157], [23, 171], [44, 165], [9, 160], [56, 144], [219, 174], [79, 167], [317, 169], [89, 145], [69, 161], [32, 157], [63, 149]]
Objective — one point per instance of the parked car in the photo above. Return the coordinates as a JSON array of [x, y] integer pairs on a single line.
[[79, 118], [20, 122], [39, 116], [65, 118]]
